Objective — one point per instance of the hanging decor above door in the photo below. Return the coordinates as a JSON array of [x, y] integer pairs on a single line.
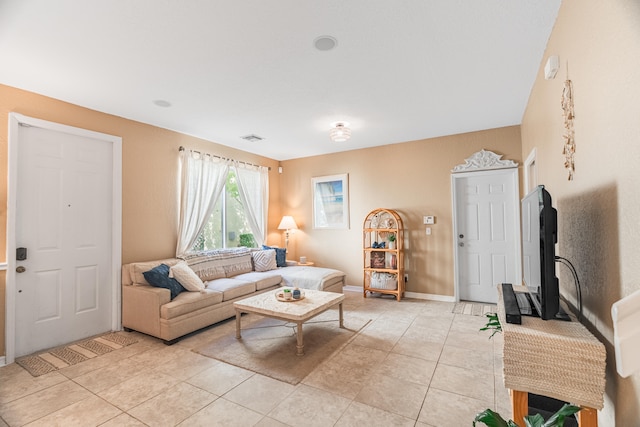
[[484, 160]]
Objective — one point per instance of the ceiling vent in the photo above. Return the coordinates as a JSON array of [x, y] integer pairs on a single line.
[[252, 138]]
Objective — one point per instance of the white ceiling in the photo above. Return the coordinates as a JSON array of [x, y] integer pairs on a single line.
[[403, 70]]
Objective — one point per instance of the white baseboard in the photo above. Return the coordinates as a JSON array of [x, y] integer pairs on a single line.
[[416, 295], [3, 360]]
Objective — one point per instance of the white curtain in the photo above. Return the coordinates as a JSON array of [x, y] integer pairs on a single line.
[[202, 182], [253, 186]]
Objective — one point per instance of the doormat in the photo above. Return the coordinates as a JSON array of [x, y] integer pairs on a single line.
[[61, 357], [473, 308]]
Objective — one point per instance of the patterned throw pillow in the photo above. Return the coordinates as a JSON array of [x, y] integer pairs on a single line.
[[264, 260], [281, 255], [187, 277], [159, 277]]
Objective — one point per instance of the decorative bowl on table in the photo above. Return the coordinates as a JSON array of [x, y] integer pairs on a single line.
[[281, 294]]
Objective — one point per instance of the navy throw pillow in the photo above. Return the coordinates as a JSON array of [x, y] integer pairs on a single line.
[[281, 255], [159, 277]]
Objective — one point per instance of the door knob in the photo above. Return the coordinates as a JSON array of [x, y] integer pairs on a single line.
[[461, 236], [20, 269]]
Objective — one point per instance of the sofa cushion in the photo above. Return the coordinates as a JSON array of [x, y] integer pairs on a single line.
[[159, 277], [137, 269], [188, 302], [231, 288], [187, 277], [240, 264], [264, 260], [281, 255], [263, 280], [214, 264]]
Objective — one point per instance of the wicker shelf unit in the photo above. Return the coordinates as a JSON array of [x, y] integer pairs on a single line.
[[383, 260]]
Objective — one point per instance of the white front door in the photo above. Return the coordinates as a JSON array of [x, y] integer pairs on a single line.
[[486, 232], [64, 218]]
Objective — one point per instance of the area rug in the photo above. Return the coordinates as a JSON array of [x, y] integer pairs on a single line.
[[72, 354], [268, 346], [473, 308]]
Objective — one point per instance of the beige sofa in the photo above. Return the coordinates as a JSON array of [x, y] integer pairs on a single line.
[[151, 310]]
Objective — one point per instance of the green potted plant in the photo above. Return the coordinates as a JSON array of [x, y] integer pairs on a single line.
[[493, 419], [392, 240]]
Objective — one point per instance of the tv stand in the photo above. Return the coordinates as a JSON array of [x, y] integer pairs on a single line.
[[562, 360]]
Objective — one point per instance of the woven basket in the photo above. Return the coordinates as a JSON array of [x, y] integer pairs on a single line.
[[385, 281]]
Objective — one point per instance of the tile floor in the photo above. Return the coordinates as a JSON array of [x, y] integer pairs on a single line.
[[415, 364]]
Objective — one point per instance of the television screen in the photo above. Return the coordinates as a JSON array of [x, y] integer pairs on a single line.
[[539, 236]]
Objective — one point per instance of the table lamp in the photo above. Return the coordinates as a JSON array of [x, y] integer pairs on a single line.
[[287, 223]]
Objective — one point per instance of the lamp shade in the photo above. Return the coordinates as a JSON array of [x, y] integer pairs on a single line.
[[340, 132], [287, 223]]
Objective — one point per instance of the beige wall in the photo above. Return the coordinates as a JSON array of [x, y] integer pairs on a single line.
[[413, 178], [599, 43], [149, 175]]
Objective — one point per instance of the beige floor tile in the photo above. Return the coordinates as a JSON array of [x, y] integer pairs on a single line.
[[468, 358], [123, 420], [186, 364], [105, 360], [15, 382], [420, 348], [407, 368], [260, 393], [359, 414], [172, 405], [137, 389], [475, 384], [310, 407], [393, 395], [222, 413], [42, 403], [270, 422], [478, 340], [108, 376], [442, 408], [91, 411], [220, 378]]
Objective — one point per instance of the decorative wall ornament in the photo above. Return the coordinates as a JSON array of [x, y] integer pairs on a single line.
[[484, 160], [569, 135]]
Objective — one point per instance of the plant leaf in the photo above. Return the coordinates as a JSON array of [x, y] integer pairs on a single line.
[[534, 420], [490, 419], [557, 419]]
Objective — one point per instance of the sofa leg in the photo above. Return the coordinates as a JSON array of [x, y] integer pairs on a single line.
[[171, 342]]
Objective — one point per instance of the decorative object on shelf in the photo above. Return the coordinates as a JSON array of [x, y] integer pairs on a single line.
[[383, 253], [392, 240], [377, 259], [287, 223], [569, 135], [484, 160], [330, 201], [340, 131]]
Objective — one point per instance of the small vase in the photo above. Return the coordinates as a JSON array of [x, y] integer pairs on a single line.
[[392, 245]]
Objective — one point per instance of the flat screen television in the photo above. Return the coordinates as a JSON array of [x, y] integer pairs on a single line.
[[539, 236]]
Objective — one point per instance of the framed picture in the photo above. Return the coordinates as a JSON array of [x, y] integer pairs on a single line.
[[330, 201]]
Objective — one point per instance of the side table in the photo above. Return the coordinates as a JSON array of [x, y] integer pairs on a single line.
[[552, 358], [307, 264]]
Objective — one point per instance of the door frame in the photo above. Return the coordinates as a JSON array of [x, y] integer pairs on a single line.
[[15, 122], [484, 163]]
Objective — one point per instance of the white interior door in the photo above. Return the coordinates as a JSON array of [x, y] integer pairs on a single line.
[[486, 227], [64, 217]]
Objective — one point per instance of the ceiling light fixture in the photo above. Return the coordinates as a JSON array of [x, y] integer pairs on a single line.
[[324, 43], [340, 132]]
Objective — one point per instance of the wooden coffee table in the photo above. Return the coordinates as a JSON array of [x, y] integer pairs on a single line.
[[298, 312]]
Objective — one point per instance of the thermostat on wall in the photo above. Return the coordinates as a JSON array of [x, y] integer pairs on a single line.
[[428, 219]]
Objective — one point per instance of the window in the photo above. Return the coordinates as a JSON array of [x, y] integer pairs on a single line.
[[225, 198], [227, 226]]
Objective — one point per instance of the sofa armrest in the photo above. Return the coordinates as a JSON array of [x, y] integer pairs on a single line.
[[141, 308]]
